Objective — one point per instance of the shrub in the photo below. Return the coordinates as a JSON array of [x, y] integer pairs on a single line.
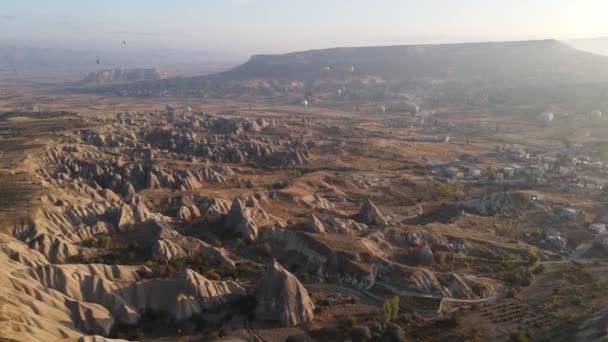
[[360, 334], [304, 277], [265, 249], [244, 269], [351, 321], [212, 275], [520, 336], [456, 320], [441, 257], [104, 242], [394, 333]]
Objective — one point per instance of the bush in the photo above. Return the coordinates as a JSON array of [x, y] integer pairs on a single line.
[[244, 269], [351, 321], [441, 257], [212, 275], [390, 309], [304, 277], [104, 242], [360, 334], [451, 322], [520, 336], [394, 333], [475, 334], [265, 249]]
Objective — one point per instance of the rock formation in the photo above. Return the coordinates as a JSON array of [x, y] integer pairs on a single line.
[[281, 297], [370, 214], [239, 221], [314, 225]]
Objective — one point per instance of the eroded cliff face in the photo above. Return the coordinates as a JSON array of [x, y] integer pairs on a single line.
[[281, 297]]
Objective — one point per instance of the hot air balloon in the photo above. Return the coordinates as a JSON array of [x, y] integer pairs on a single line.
[[383, 109], [339, 92], [327, 68], [412, 108], [351, 69], [304, 103], [545, 118]]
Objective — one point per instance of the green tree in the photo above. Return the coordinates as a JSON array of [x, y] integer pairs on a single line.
[[390, 309]]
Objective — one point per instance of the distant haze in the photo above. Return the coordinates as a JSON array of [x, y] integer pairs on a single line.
[[597, 45], [244, 27]]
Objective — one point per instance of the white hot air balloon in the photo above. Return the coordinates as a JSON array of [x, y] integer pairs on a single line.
[[383, 109], [304, 103], [351, 69], [545, 118], [339, 92], [327, 68]]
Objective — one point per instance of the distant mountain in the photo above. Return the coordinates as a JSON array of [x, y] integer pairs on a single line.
[[597, 45], [539, 62], [111, 76], [504, 60], [527, 72], [32, 62]]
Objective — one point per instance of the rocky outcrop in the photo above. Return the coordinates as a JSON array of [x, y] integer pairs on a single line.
[[335, 264], [446, 284], [424, 255], [171, 245], [370, 214], [187, 213], [281, 297], [125, 294], [345, 226], [129, 215], [240, 222], [313, 225], [215, 209]]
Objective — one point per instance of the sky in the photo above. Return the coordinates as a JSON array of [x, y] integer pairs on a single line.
[[271, 26]]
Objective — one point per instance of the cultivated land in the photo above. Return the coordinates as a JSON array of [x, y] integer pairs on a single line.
[[238, 212]]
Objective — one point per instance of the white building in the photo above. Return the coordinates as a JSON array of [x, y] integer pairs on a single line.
[[571, 213], [432, 138], [555, 238], [597, 228]]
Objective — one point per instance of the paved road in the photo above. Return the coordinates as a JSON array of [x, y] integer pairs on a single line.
[[405, 308], [445, 299]]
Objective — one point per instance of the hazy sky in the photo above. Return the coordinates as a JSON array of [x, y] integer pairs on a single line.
[[248, 26]]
